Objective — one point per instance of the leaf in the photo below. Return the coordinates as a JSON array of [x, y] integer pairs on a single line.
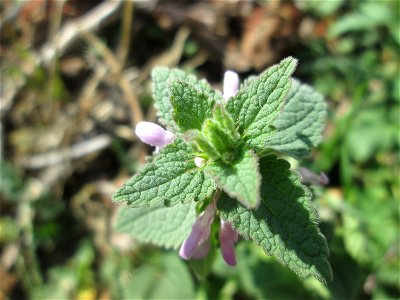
[[371, 130], [172, 178], [370, 15], [159, 225], [190, 106], [241, 180], [300, 126], [220, 137], [363, 222], [158, 279], [260, 277], [285, 224], [256, 106], [162, 77], [320, 9]]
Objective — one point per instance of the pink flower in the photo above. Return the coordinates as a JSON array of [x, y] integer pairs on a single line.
[[153, 134], [231, 84], [228, 237], [309, 176], [195, 245]]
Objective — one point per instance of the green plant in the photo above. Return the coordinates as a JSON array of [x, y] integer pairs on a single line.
[[219, 156]]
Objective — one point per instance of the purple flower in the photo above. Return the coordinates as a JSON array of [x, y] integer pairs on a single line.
[[228, 237], [231, 84], [309, 176], [196, 244], [202, 249], [153, 134]]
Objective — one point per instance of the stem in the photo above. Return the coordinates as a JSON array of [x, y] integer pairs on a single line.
[[123, 49]]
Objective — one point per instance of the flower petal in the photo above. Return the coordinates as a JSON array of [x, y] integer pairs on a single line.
[[199, 161], [227, 237], [189, 246], [200, 233], [309, 176], [231, 84], [153, 134], [202, 249]]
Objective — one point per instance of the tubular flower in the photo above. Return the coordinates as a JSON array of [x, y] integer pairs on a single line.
[[228, 237], [309, 176], [231, 84], [153, 134], [196, 244]]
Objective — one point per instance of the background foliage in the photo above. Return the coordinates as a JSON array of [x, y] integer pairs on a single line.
[[75, 81]]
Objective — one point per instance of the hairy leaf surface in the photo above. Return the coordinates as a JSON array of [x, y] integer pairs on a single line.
[[241, 180], [191, 107], [159, 225], [259, 103], [299, 127], [285, 224], [162, 78], [171, 178]]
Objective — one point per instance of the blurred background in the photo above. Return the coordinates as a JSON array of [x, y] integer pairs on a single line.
[[75, 81]]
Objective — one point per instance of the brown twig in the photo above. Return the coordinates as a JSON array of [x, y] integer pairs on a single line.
[[71, 30], [75, 151], [65, 37], [55, 23], [123, 82], [169, 58], [125, 38]]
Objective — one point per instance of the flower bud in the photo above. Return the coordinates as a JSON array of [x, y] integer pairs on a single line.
[[228, 237], [231, 84], [199, 161], [309, 176], [153, 134]]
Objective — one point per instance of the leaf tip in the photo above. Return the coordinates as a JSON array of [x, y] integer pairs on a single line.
[[291, 63], [117, 197], [252, 205]]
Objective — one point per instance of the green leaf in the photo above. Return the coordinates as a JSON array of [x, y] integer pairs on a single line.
[[162, 77], [371, 130], [158, 279], [241, 180], [159, 225], [320, 9], [190, 106], [363, 222], [262, 277], [285, 224], [369, 16], [172, 178], [219, 137], [202, 144], [222, 117], [300, 126], [256, 106]]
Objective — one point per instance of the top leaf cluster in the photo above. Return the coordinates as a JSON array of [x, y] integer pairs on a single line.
[[262, 198]]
